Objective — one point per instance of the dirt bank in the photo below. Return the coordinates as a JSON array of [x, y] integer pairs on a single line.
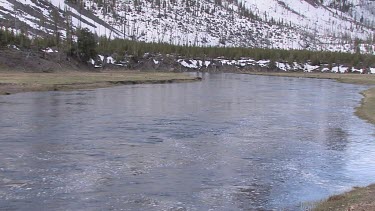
[[16, 60]]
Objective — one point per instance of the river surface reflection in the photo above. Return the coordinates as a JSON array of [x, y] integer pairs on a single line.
[[230, 142]]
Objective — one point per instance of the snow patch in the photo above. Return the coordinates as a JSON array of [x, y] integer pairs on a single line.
[[309, 68], [50, 50], [192, 64], [110, 60], [283, 66], [340, 69], [101, 58], [14, 47], [357, 70], [325, 69], [263, 63]]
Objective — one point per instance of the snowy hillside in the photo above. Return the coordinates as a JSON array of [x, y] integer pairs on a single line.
[[287, 24]]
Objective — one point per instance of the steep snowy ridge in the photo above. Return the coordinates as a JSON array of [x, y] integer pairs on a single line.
[[286, 24]]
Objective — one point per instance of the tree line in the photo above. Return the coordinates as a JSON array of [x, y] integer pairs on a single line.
[[87, 45], [83, 47], [121, 47]]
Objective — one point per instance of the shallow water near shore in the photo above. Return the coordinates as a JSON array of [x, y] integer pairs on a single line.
[[230, 142]]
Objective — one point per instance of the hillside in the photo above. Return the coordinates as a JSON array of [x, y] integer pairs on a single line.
[[346, 26]]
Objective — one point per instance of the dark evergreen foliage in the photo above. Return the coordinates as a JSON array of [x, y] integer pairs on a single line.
[[10, 38], [86, 45]]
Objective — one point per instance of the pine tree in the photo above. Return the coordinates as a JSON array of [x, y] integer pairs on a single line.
[[86, 44]]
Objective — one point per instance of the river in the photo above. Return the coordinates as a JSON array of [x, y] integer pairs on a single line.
[[230, 142]]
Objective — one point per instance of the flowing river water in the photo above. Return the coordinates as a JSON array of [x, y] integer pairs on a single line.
[[230, 142]]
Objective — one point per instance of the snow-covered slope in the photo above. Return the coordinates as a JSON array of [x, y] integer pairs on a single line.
[[288, 24]]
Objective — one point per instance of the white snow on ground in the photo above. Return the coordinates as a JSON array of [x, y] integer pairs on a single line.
[[33, 5], [357, 70], [188, 65], [297, 66], [110, 60], [325, 69], [101, 58], [283, 66], [196, 64], [299, 23], [49, 50], [340, 69], [14, 47], [322, 20], [263, 63], [7, 5], [309, 68]]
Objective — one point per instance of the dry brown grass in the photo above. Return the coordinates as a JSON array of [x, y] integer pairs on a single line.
[[367, 108], [358, 199], [13, 82]]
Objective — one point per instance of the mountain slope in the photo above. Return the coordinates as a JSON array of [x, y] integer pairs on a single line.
[[287, 24]]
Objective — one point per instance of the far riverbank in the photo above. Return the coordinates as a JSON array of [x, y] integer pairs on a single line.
[[15, 82]]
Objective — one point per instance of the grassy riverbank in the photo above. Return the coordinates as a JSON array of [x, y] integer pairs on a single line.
[[367, 108], [361, 199], [14, 82], [358, 198]]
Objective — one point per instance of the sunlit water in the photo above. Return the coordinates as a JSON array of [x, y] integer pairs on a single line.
[[230, 142]]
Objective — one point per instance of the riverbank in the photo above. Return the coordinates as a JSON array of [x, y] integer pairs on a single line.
[[15, 82], [359, 198]]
